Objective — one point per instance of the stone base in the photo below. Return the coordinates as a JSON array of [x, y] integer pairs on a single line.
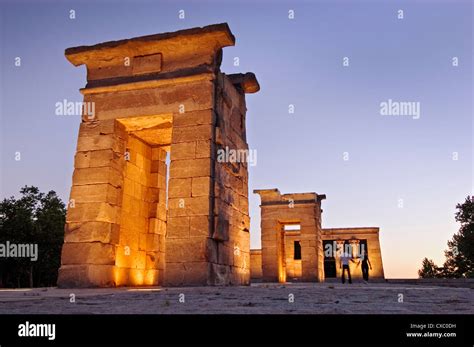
[[86, 276]]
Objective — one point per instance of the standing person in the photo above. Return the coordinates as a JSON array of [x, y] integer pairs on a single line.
[[365, 266], [345, 258]]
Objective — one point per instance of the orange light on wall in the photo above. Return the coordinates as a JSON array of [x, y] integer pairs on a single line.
[[150, 277], [137, 277]]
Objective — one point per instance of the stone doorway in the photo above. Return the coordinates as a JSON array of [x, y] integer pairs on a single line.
[[277, 256], [329, 259], [140, 257], [293, 253]]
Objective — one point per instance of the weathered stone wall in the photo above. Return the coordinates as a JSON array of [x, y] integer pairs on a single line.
[[93, 218], [353, 235], [189, 248], [231, 234], [255, 264], [278, 210], [275, 261]]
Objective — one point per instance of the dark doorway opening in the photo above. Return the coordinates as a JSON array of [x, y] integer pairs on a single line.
[[329, 260], [297, 253]]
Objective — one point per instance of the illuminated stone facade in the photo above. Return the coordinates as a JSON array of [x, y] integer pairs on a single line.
[[150, 204], [296, 248]]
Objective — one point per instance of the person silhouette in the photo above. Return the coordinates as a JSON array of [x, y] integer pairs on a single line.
[[345, 258], [365, 266]]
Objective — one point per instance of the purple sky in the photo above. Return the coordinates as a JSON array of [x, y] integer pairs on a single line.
[[299, 62]]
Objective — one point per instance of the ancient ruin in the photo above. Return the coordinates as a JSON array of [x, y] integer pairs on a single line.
[[150, 204], [296, 248]]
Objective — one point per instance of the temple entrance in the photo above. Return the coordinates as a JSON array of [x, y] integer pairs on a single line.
[[329, 259], [140, 251], [292, 253]]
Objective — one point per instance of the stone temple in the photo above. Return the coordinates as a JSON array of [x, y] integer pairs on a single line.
[[150, 204], [296, 248]]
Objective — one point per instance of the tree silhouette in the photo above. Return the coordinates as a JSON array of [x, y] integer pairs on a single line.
[[34, 218], [460, 253]]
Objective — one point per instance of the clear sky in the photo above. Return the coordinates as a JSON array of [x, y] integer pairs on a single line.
[[297, 61]]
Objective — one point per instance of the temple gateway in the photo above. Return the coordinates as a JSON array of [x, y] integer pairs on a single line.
[[296, 248]]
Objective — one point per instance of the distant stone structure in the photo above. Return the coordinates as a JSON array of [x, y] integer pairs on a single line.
[[296, 247], [160, 102]]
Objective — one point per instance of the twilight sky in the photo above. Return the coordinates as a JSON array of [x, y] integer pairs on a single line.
[[400, 174]]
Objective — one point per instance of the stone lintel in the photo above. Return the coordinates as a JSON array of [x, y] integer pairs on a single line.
[[351, 231], [274, 197], [131, 84], [154, 50], [285, 202], [166, 77]]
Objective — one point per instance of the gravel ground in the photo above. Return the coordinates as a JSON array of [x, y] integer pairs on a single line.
[[260, 298]]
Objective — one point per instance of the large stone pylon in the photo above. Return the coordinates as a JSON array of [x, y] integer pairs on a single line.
[[150, 203]]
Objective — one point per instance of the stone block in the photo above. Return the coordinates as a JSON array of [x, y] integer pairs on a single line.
[[156, 226], [96, 193], [155, 164], [201, 186], [187, 274], [93, 212], [97, 142], [161, 212], [183, 150], [190, 168], [152, 242], [152, 194], [160, 100], [152, 260], [199, 226], [225, 254], [194, 249], [189, 134], [142, 241], [86, 275], [178, 207], [103, 157], [92, 232], [88, 253], [97, 176], [204, 149], [179, 188], [82, 160], [193, 118], [158, 153], [220, 275], [178, 227]]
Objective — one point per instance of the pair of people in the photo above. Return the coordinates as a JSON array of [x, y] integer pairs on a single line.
[[346, 258]]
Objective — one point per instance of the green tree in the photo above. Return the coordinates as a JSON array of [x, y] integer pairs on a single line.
[[429, 269], [34, 218], [460, 252]]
